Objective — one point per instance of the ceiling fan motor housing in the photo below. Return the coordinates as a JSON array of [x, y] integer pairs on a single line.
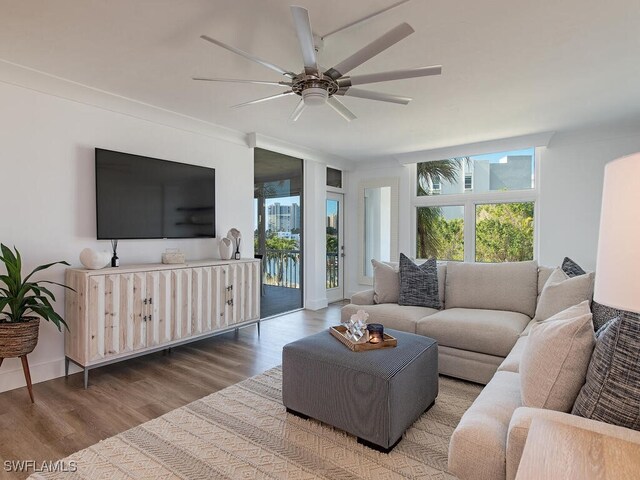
[[314, 90]]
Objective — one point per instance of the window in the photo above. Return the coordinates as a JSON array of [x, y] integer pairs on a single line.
[[504, 232], [494, 172], [440, 232], [468, 182], [435, 186], [334, 177], [479, 208]]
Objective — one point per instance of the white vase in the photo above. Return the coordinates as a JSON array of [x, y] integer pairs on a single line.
[[94, 260], [226, 248]]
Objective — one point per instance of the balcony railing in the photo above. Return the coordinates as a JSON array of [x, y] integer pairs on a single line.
[[282, 268], [333, 277]]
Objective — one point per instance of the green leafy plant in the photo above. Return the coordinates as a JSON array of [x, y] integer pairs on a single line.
[[20, 296]]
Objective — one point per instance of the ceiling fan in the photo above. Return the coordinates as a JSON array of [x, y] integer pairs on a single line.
[[317, 86]]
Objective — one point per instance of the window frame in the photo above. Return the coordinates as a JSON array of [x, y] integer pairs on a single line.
[[470, 201]]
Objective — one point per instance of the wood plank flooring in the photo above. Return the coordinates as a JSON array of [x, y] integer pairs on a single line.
[[66, 418]]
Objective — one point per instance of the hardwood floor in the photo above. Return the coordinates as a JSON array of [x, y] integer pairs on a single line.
[[66, 418]]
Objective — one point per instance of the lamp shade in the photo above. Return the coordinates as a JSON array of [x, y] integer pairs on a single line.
[[618, 264]]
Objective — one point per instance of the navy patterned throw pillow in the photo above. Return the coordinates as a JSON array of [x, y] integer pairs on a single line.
[[611, 392], [601, 313], [419, 283], [571, 268]]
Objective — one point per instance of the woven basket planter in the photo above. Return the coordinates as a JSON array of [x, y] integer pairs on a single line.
[[18, 339]]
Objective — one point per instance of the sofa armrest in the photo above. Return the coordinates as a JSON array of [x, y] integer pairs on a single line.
[[363, 298], [521, 421]]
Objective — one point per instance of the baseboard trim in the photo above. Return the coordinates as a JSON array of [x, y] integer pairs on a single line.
[[12, 377], [316, 304]]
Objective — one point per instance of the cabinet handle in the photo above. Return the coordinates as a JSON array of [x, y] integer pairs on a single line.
[[149, 317], [144, 318], [150, 300], [145, 301]]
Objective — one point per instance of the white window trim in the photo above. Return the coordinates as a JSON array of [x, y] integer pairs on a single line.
[[469, 202]]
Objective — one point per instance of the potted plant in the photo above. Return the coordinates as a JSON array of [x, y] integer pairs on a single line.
[[22, 303]]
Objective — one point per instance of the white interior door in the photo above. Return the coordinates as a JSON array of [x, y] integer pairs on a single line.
[[335, 246]]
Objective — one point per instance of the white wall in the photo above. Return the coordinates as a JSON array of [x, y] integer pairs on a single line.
[[571, 171], [47, 192], [570, 182]]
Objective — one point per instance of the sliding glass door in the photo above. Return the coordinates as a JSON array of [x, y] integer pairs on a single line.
[[278, 184]]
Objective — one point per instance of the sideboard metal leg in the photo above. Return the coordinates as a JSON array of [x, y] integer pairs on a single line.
[[86, 378], [258, 328], [66, 367]]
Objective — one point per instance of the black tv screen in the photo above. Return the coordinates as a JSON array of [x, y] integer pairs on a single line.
[[142, 197]]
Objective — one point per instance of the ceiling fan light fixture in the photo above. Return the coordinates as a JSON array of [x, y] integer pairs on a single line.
[[313, 96]]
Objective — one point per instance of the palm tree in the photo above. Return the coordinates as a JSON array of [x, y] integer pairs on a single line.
[[429, 243]]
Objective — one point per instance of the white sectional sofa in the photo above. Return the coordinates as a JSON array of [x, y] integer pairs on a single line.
[[488, 311]]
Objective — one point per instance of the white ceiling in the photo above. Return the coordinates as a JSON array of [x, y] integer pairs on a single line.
[[510, 67]]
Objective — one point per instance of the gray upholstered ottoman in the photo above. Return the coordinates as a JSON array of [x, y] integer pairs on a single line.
[[375, 395]]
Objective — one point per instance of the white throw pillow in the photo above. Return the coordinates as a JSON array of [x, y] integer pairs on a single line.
[[561, 292], [555, 359], [386, 282]]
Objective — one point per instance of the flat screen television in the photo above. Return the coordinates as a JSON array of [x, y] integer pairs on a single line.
[[140, 197]]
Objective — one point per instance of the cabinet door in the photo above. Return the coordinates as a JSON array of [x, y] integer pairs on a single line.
[[112, 308], [163, 312], [151, 317], [217, 291], [244, 290], [139, 337], [201, 301], [182, 280]]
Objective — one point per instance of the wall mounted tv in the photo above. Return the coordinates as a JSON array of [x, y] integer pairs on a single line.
[[142, 197]]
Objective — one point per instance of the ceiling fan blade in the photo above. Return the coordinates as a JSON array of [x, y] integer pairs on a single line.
[[305, 37], [374, 48], [339, 107], [260, 100], [295, 115], [363, 19], [248, 56], [392, 75], [236, 80], [383, 97]]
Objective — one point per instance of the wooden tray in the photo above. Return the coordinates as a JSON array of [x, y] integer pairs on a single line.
[[340, 333]]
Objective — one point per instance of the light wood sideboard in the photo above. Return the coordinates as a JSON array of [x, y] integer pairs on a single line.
[[119, 313]]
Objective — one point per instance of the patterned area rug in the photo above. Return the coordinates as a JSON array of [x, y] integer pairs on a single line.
[[243, 432]]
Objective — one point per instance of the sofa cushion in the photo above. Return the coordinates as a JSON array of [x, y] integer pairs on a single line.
[[612, 390], [512, 362], [419, 283], [493, 332], [555, 359], [386, 282], [390, 315], [561, 292], [510, 286], [479, 443]]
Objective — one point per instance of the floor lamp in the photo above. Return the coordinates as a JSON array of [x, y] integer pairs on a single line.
[[618, 265]]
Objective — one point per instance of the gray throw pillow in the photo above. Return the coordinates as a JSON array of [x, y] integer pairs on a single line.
[[611, 393], [419, 283], [386, 282], [601, 313]]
